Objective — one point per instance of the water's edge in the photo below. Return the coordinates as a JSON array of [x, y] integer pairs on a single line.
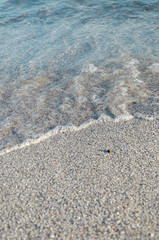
[[62, 129], [67, 64]]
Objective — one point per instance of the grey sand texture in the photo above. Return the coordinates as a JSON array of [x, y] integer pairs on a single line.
[[71, 187]]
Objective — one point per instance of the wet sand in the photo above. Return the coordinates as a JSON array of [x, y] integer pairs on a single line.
[[101, 182]]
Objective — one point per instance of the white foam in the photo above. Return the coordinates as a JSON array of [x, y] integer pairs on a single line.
[[154, 67], [135, 73], [62, 129], [127, 116], [133, 62], [146, 117], [91, 68]]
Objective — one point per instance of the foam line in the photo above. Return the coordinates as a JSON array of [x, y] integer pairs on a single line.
[[61, 129]]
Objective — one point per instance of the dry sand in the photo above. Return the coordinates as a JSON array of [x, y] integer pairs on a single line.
[[70, 187]]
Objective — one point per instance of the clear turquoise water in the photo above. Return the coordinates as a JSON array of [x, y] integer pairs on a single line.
[[66, 63]]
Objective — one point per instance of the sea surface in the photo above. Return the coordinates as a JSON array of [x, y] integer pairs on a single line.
[[67, 63]]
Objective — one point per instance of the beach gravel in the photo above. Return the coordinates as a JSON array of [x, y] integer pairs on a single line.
[[71, 187]]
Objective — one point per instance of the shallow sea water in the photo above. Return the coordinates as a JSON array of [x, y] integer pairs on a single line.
[[65, 64]]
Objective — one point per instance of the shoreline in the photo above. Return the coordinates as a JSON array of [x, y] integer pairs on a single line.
[[103, 119], [70, 186], [62, 129]]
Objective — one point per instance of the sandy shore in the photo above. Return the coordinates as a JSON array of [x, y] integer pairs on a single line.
[[71, 187]]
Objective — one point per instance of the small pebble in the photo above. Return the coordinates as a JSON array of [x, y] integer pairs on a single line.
[[109, 151]]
